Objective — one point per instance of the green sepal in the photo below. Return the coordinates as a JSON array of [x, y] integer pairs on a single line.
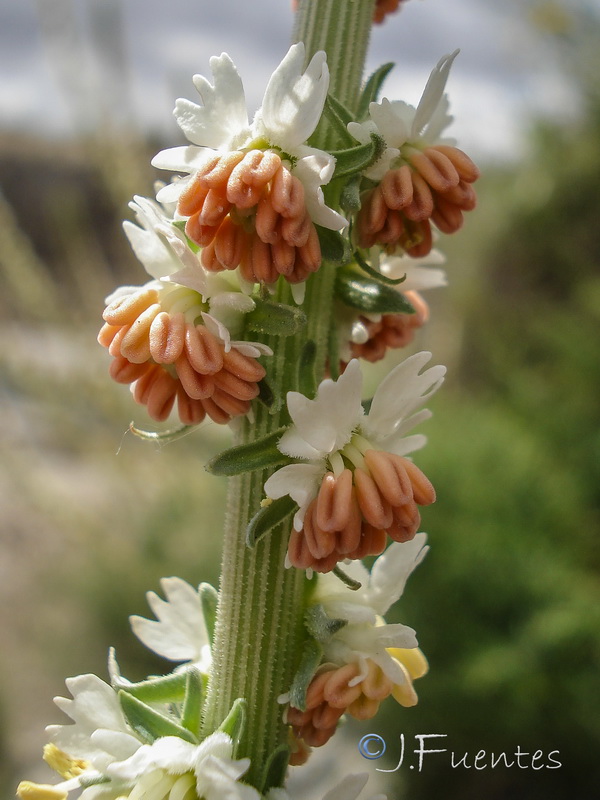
[[355, 159], [370, 93], [192, 705], [276, 319], [259, 454], [311, 658], [209, 598], [163, 437], [150, 724], [307, 377], [366, 267], [268, 517], [166, 689], [370, 296], [346, 579], [320, 626], [234, 722], [334, 247], [275, 770], [338, 116], [350, 195]]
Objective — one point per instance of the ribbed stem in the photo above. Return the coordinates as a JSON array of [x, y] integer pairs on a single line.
[[259, 630]]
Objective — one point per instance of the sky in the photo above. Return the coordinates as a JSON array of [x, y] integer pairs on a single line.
[[69, 65]]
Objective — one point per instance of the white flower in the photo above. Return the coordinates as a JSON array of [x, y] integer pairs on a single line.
[[419, 272], [367, 636], [334, 425], [179, 631], [215, 772], [400, 123], [347, 789], [291, 108]]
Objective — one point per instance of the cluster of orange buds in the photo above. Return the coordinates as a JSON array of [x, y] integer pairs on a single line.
[[390, 331], [433, 186], [248, 210], [335, 691], [383, 8], [160, 342], [355, 511]]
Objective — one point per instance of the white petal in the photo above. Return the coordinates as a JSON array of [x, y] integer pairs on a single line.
[[223, 115], [194, 278], [181, 159], [299, 481], [314, 170], [293, 101], [391, 570], [432, 94]]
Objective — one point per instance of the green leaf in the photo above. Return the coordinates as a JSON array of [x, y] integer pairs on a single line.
[[320, 626], [275, 771], [364, 265], [259, 454], [276, 319], [167, 689], [350, 195], [311, 658], [338, 116], [268, 517], [334, 247], [192, 705], [307, 378], [209, 598], [233, 724], [371, 91], [370, 296], [150, 724], [355, 159]]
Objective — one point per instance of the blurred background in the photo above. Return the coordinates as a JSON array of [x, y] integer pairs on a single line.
[[506, 604]]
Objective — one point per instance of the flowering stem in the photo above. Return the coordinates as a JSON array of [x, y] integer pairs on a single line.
[[259, 630]]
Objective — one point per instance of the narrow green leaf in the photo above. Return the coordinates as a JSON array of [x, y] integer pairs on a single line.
[[370, 296], [371, 91], [311, 658], [346, 579], [338, 116], [275, 771], [166, 689], [364, 265], [350, 195], [234, 722], [355, 159], [276, 319], [320, 626], [334, 247], [150, 724], [259, 454], [209, 598], [307, 378], [192, 705], [268, 517]]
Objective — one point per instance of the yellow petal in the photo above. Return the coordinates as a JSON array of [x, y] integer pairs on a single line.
[[413, 659], [63, 763], [27, 790]]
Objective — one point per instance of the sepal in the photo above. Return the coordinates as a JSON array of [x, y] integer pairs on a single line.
[[311, 658], [276, 319], [335, 248], [148, 723], [259, 454], [209, 598], [355, 159], [192, 705], [321, 626], [268, 517], [165, 689], [234, 722], [370, 93], [275, 771], [338, 117], [350, 195], [369, 295]]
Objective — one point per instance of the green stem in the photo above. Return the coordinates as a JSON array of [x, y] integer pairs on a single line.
[[259, 630]]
